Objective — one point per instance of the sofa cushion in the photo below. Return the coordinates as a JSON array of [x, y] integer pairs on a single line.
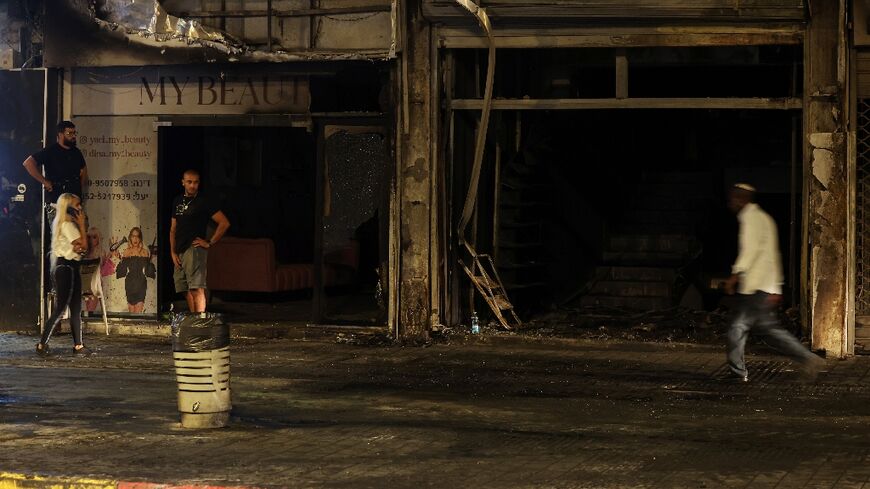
[[294, 276], [242, 264], [248, 265]]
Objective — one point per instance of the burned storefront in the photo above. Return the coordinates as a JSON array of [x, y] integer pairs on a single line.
[[376, 157], [611, 133], [286, 115]]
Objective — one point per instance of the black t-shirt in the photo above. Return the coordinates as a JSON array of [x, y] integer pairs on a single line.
[[63, 167], [192, 215]]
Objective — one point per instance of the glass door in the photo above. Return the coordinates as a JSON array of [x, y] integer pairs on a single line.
[[352, 225]]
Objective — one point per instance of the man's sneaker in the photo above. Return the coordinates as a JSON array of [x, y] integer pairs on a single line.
[[732, 378], [43, 352], [82, 352], [810, 369]]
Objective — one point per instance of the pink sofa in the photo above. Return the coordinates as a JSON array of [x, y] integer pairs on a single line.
[[248, 265]]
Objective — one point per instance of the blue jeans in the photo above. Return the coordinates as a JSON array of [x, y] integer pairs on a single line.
[[756, 314]]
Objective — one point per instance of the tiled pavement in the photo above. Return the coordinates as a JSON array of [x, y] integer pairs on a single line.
[[483, 415]]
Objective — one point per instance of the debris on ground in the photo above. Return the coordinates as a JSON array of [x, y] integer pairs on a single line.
[[668, 325], [368, 339]]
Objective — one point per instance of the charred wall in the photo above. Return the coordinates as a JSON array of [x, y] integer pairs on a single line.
[[21, 133]]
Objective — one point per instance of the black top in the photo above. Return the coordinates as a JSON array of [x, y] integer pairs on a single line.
[[136, 268], [63, 168], [192, 215]]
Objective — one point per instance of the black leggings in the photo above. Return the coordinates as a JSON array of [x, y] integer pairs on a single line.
[[68, 290]]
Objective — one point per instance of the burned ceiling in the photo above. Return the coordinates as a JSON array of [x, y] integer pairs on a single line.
[[129, 32]]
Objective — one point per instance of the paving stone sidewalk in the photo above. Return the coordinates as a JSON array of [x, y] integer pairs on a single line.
[[520, 414]]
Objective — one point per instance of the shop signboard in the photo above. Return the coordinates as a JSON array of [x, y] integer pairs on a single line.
[[189, 90]]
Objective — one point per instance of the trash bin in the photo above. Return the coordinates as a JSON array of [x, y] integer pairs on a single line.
[[200, 346]]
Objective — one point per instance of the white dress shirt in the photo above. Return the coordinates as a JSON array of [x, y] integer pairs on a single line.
[[758, 262]]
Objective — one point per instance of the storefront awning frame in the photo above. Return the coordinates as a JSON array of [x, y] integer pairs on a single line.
[[621, 37], [728, 103]]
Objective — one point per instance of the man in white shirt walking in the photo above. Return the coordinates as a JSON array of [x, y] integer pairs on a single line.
[[757, 277]]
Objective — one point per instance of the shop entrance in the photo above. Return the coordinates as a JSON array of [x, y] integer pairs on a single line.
[[606, 171], [586, 216], [280, 260]]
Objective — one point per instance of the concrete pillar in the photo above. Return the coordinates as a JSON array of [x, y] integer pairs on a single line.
[[826, 185], [414, 177]]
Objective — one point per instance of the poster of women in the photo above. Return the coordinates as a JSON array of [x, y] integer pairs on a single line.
[[121, 203]]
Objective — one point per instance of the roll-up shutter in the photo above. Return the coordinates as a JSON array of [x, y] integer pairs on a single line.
[[862, 211]]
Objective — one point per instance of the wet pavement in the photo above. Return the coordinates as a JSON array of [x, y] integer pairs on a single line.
[[485, 413]]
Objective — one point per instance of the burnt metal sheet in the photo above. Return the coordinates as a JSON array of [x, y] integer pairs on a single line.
[[151, 20], [76, 36], [132, 33]]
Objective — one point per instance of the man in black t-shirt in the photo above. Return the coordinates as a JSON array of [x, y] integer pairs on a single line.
[[191, 213], [65, 168]]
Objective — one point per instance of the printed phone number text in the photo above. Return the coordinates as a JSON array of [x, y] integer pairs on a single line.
[[120, 183], [113, 196]]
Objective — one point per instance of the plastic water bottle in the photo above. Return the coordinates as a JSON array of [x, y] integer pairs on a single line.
[[475, 324]]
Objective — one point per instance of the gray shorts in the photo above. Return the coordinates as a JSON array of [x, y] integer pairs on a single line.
[[191, 275]]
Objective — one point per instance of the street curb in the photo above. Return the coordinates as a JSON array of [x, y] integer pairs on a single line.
[[520, 339], [9, 480], [297, 331], [348, 334]]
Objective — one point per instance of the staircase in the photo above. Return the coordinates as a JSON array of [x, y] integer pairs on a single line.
[[648, 252], [522, 205]]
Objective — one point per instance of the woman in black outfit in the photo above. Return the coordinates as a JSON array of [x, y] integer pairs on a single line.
[[68, 244], [136, 265]]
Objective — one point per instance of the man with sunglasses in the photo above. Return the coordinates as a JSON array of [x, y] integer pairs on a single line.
[[64, 165]]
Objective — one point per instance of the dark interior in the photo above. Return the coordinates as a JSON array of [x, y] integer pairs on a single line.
[[576, 188], [266, 180], [21, 128]]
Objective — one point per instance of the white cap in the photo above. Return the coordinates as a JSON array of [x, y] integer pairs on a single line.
[[744, 186]]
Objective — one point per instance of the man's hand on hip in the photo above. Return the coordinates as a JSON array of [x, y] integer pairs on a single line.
[[201, 243]]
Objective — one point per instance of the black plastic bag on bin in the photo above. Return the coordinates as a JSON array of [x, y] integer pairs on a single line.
[[195, 332]]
